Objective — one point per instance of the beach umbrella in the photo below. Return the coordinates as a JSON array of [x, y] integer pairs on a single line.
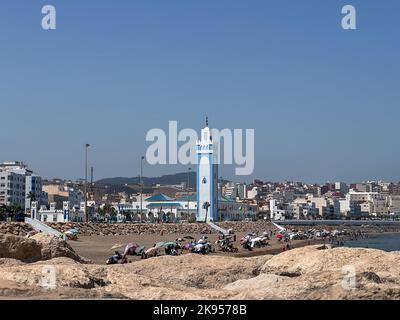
[[166, 244], [159, 244], [189, 245], [73, 230], [279, 236], [132, 245], [116, 246], [139, 250]]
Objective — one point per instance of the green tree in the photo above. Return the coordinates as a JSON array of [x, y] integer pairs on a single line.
[[113, 214], [31, 196], [13, 210], [110, 211]]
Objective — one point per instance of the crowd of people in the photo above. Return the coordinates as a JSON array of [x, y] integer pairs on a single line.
[[226, 242]]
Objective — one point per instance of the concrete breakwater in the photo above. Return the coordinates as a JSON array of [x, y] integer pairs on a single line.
[[202, 228], [184, 228], [167, 228]]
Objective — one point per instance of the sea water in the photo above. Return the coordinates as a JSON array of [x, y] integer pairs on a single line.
[[386, 242]]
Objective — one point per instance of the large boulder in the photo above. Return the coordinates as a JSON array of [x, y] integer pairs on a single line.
[[304, 273], [20, 248], [53, 247], [15, 228], [39, 247]]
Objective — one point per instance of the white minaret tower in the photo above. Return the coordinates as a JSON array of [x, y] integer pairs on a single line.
[[207, 177]]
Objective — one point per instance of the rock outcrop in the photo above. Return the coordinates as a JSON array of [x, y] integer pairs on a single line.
[[120, 229], [19, 248], [304, 273], [15, 228], [39, 247]]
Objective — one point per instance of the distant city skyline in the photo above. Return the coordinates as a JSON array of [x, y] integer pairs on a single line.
[[324, 102]]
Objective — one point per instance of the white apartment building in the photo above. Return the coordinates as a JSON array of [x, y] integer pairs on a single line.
[[277, 212], [12, 188], [304, 211], [32, 184], [326, 208], [372, 203], [342, 187], [394, 204], [364, 196]]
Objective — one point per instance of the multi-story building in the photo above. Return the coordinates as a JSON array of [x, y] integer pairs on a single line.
[[33, 191], [304, 210], [342, 187], [394, 204], [394, 189], [12, 188], [59, 193], [32, 183], [372, 203], [279, 210]]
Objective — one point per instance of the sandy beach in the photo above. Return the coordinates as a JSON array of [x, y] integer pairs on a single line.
[[304, 272], [98, 248]]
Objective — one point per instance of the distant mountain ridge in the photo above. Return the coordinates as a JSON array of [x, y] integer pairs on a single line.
[[170, 179]]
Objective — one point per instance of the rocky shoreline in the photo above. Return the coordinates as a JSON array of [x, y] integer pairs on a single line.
[[15, 228], [199, 228], [92, 229]]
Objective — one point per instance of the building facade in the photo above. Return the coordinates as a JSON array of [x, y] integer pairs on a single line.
[[12, 189]]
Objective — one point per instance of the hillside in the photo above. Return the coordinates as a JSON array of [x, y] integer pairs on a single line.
[[171, 179]]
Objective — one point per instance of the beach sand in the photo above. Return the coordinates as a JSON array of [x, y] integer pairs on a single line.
[[98, 248]]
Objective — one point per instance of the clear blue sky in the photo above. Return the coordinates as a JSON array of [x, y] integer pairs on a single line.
[[324, 102]]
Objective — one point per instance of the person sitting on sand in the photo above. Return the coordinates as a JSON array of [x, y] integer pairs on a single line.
[[114, 258], [203, 240]]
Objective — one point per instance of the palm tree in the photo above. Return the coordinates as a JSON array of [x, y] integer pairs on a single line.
[[109, 210], [113, 214], [206, 205], [101, 213], [32, 198]]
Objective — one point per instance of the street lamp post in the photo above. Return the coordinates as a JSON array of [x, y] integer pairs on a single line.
[[187, 191], [86, 173], [220, 213], [141, 188]]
